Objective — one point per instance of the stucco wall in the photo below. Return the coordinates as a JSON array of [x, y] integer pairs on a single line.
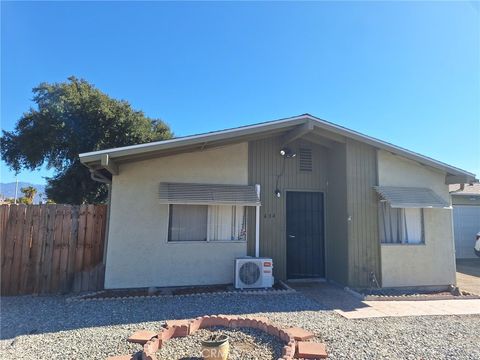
[[429, 264], [138, 253]]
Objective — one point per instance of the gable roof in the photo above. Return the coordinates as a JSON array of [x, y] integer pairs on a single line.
[[99, 159]]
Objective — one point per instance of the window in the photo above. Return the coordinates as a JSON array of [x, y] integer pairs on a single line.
[[401, 225], [227, 222], [188, 223], [207, 223]]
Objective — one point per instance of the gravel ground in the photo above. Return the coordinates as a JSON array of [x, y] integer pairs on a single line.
[[52, 328]]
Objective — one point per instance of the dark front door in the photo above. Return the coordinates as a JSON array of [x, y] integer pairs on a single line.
[[305, 235]]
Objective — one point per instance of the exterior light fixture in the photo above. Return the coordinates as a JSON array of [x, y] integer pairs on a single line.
[[287, 153]]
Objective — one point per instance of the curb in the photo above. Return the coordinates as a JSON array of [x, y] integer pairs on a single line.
[[86, 297]]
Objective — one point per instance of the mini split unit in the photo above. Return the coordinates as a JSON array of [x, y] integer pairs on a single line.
[[253, 273]]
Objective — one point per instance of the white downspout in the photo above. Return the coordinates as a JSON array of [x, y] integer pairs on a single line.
[[257, 223]]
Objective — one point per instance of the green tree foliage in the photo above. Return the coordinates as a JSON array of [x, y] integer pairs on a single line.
[[73, 117], [29, 193]]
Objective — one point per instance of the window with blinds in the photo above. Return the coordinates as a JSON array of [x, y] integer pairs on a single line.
[[188, 223], [207, 223]]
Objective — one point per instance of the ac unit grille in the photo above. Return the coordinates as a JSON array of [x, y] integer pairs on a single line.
[[249, 273], [305, 159]]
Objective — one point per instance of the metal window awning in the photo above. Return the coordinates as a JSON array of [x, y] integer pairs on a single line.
[[208, 194], [410, 197]]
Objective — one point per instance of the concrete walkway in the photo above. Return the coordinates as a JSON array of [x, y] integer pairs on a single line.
[[468, 279], [332, 297], [468, 275], [413, 308]]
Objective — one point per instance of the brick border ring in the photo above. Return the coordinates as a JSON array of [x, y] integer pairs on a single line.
[[293, 338]]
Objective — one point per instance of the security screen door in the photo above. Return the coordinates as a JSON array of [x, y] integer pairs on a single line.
[[305, 235]]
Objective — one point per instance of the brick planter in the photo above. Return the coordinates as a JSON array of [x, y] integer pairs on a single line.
[[178, 328]]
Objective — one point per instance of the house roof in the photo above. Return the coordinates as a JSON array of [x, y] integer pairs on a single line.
[[105, 159], [467, 191]]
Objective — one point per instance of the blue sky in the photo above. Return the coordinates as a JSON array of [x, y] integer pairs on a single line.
[[407, 72]]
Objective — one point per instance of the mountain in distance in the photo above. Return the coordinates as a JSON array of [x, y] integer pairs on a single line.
[[7, 190]]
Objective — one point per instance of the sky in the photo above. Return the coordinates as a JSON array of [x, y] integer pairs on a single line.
[[404, 72]]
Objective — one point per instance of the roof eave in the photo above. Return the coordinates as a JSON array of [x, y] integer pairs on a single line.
[[95, 156], [94, 159]]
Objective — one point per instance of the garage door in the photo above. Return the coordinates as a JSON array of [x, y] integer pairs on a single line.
[[466, 222]]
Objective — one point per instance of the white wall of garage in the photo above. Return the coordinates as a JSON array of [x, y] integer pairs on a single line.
[[466, 220]]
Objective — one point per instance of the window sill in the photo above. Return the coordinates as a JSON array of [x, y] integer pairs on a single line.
[[208, 242], [227, 241], [388, 245]]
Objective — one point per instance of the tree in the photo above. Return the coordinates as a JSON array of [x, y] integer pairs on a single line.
[[29, 194], [7, 201], [73, 117]]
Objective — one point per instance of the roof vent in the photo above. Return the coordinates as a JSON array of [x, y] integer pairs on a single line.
[[305, 156]]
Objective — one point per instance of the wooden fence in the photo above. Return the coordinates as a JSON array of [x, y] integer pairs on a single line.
[[52, 248]]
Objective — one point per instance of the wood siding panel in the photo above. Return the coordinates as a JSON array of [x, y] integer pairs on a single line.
[[265, 164], [362, 204], [336, 216]]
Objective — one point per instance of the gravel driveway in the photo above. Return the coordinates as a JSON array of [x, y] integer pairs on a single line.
[[52, 328]]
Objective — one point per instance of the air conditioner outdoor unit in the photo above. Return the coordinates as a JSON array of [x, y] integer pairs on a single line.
[[251, 273]]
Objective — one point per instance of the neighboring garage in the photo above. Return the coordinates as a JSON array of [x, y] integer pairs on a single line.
[[466, 219]]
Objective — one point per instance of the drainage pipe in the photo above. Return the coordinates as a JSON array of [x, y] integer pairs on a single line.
[[99, 177], [102, 179], [462, 187]]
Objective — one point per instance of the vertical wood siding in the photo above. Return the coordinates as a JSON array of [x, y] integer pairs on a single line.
[[336, 216], [362, 204], [265, 163]]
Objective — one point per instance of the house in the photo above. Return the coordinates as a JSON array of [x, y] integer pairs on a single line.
[[466, 218], [333, 204]]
